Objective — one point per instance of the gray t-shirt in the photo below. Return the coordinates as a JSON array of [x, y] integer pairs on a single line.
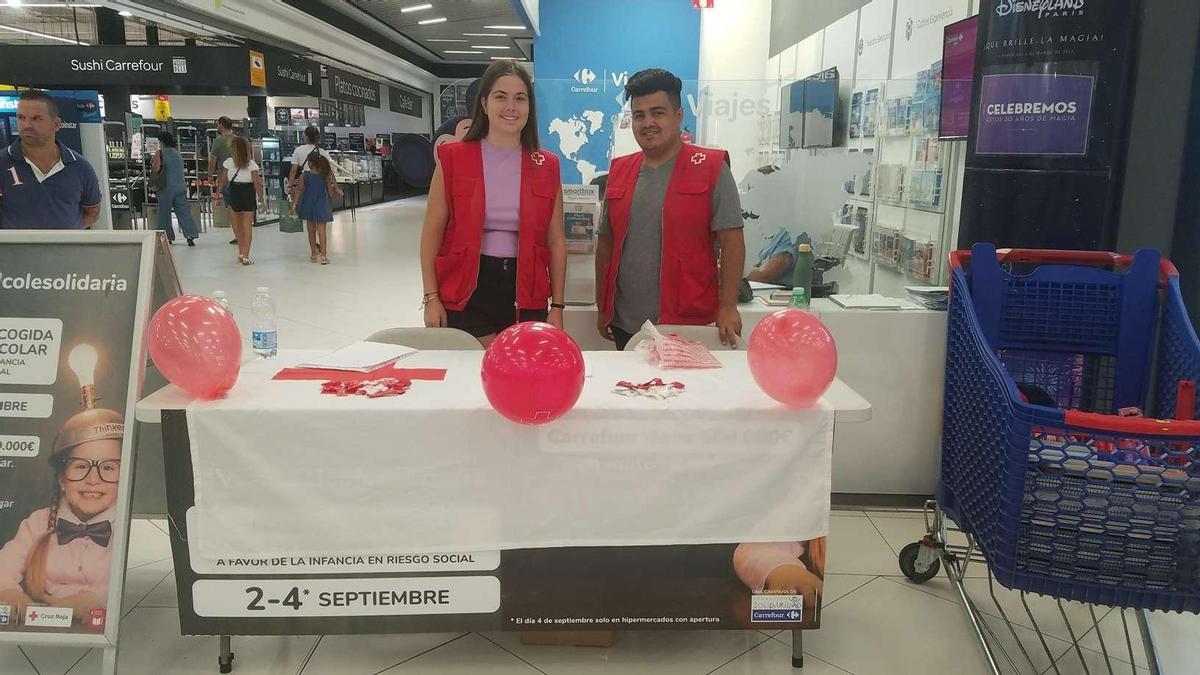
[[222, 149], [641, 258]]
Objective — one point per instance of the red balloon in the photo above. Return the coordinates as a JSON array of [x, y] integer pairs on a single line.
[[196, 345], [792, 357], [532, 373]]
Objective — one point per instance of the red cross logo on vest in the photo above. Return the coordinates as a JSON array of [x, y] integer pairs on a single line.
[[538, 158], [699, 158]]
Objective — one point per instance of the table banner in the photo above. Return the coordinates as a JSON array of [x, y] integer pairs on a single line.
[[720, 463]]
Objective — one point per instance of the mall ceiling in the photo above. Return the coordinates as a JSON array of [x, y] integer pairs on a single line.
[[449, 38]]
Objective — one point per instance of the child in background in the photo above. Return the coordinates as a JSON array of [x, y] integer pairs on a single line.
[[311, 203]]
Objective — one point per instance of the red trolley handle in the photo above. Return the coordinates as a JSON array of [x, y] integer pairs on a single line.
[[1137, 426], [1057, 257]]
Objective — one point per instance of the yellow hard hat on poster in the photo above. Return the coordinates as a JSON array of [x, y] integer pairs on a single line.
[[162, 108]]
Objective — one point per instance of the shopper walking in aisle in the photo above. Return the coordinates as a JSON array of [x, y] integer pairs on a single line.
[[311, 203], [493, 248], [312, 138], [664, 209], [173, 196], [245, 185], [221, 150], [43, 183]]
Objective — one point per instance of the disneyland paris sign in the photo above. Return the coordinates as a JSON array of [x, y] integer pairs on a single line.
[[1042, 7]]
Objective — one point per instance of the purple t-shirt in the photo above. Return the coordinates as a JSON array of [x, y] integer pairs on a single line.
[[502, 187]]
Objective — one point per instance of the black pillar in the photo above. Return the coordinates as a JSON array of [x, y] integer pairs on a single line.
[[110, 30], [1049, 124], [1185, 248], [258, 116], [152, 35]]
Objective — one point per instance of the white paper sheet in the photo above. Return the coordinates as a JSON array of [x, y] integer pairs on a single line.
[[359, 357]]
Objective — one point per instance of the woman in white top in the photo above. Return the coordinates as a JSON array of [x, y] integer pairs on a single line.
[[245, 184], [300, 156]]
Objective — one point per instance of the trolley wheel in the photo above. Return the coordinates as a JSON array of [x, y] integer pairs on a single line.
[[909, 555], [224, 666]]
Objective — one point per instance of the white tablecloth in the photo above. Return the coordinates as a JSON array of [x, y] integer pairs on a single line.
[[282, 470]]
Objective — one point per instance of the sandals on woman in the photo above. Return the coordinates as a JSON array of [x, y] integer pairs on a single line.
[[244, 260], [324, 259], [312, 258]]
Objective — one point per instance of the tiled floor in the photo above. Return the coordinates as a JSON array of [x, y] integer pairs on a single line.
[[875, 621]]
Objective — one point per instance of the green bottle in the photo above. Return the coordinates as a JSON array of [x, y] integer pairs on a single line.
[[802, 278]]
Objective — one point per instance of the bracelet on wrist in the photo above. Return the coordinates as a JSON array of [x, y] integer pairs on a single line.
[[557, 305]]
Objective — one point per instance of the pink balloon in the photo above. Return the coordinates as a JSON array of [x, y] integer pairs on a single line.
[[196, 345], [532, 373], [792, 357]]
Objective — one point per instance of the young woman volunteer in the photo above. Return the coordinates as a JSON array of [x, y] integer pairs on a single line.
[[493, 248], [311, 203], [245, 184]]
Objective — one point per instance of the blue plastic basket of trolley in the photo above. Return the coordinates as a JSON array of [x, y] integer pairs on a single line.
[[1060, 483]]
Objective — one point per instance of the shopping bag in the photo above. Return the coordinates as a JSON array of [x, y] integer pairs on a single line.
[[290, 222]]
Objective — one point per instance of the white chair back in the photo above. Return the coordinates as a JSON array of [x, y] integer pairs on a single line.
[[428, 338]]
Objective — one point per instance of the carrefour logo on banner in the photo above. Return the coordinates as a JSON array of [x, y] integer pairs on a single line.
[[1043, 8], [585, 76]]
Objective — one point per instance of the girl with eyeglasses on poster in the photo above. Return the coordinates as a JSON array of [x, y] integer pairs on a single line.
[[62, 554]]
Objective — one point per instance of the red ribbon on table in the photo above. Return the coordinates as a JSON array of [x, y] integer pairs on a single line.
[[656, 382], [388, 386]]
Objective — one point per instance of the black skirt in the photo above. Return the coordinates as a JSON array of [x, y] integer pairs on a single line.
[[493, 305], [242, 197]]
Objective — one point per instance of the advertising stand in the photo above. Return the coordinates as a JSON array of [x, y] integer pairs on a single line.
[[73, 312]]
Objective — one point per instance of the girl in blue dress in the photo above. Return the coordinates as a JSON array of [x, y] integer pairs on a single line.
[[312, 204]]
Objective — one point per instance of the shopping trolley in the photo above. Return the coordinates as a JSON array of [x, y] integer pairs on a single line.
[[1055, 464]]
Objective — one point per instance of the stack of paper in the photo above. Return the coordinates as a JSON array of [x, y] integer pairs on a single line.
[[872, 301], [929, 297], [757, 286], [360, 357]]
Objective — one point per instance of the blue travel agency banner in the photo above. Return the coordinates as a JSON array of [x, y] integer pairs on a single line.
[[585, 54], [75, 108]]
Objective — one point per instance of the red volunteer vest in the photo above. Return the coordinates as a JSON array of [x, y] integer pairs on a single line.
[[688, 286], [457, 262]]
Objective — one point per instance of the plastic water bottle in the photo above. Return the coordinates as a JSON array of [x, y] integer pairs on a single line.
[[802, 278], [219, 296], [264, 332]]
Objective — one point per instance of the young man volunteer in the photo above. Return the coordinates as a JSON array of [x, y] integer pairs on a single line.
[[664, 208]]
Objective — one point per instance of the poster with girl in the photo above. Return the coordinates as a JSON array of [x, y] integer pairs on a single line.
[[72, 310]]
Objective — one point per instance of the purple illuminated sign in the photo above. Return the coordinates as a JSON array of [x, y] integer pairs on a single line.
[[1034, 114]]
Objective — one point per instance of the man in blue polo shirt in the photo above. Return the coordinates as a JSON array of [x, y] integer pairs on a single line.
[[44, 185]]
